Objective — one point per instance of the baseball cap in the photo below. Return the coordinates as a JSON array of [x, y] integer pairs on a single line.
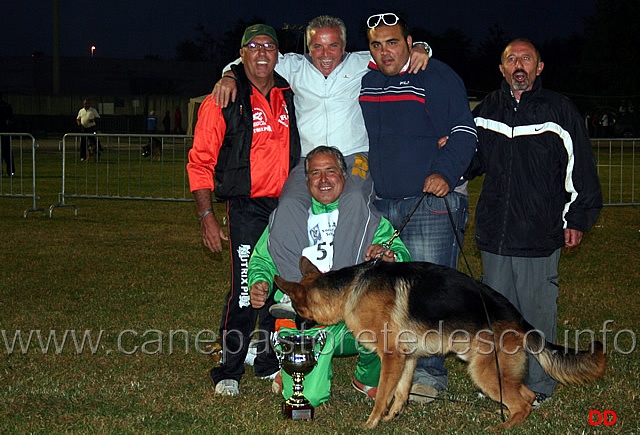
[[258, 29]]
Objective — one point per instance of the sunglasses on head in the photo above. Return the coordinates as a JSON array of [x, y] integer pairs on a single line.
[[388, 19]]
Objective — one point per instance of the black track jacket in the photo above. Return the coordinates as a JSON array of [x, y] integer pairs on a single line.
[[540, 173]]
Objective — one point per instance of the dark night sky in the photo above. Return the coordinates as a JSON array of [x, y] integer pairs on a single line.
[[135, 28]]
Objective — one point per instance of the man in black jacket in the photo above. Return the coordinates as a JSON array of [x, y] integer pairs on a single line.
[[541, 192]]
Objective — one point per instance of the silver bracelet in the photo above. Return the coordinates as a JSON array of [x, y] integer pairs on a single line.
[[205, 213]]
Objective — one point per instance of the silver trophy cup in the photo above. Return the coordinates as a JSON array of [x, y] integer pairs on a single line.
[[298, 355]]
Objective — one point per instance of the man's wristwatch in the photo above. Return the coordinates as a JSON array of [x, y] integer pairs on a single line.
[[426, 47]]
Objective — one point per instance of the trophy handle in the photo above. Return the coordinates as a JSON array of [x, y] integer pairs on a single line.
[[275, 344], [321, 340]]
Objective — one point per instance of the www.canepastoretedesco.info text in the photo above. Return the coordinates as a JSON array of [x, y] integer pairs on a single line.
[[156, 341]]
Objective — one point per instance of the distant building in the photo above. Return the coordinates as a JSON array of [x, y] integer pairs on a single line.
[[123, 90]]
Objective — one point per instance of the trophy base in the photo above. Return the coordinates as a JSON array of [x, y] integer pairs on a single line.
[[297, 412]]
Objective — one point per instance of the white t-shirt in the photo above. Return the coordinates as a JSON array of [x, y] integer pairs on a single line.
[[87, 117]]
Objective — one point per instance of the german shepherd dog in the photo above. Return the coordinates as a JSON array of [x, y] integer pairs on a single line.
[[404, 311]]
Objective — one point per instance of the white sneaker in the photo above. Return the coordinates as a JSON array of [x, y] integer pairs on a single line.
[[251, 353], [283, 309], [227, 387], [285, 299]]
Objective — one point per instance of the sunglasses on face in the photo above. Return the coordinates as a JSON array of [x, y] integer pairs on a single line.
[[387, 19], [255, 46]]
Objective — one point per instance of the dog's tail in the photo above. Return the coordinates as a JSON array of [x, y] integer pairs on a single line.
[[566, 365]]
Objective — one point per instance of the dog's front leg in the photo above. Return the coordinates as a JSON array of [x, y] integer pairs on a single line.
[[401, 395], [391, 369]]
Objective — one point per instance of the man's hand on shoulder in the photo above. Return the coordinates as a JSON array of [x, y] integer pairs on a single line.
[[419, 58], [224, 90]]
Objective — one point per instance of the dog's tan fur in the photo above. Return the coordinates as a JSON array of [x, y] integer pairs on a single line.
[[374, 302]]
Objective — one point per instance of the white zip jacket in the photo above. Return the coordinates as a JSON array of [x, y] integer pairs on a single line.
[[327, 109]]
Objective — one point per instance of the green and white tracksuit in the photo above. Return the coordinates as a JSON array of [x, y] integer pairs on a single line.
[[340, 342]]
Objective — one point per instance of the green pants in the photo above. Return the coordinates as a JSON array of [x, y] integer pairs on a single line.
[[339, 342]]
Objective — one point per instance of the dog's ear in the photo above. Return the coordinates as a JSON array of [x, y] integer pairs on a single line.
[[298, 294], [287, 287], [307, 267], [280, 282]]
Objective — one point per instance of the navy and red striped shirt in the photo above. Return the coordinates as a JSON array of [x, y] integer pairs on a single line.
[[405, 115]]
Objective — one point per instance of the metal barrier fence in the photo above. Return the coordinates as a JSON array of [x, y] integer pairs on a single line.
[[618, 168], [153, 167], [18, 166], [134, 167]]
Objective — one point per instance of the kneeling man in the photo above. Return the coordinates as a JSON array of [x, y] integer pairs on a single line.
[[325, 171]]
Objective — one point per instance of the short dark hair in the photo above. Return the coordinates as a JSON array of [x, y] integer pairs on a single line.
[[402, 22], [324, 149]]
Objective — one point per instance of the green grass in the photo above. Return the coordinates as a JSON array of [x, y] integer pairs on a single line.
[[140, 266]]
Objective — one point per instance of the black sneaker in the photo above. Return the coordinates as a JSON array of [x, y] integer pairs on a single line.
[[540, 399]]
